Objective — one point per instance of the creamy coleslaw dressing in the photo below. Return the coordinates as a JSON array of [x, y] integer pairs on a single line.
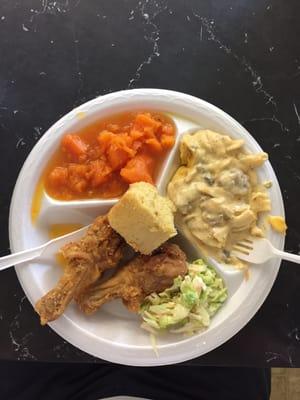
[[216, 192]]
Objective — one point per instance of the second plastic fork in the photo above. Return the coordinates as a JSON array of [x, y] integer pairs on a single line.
[[258, 251]]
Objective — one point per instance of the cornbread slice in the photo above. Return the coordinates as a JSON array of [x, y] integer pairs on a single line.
[[143, 217]]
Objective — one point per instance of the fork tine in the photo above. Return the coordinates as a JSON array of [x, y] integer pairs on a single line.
[[241, 250], [243, 245]]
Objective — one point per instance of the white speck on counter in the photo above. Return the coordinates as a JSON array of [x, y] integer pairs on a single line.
[[42, 73], [276, 145], [37, 132], [297, 113], [51, 41], [246, 37], [2, 18], [188, 18], [25, 29], [270, 356], [271, 49], [283, 128], [20, 344], [294, 334], [20, 143]]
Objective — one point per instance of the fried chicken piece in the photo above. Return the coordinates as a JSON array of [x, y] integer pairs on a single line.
[[137, 279], [101, 248]]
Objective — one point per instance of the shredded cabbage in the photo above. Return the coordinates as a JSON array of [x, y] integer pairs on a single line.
[[188, 305]]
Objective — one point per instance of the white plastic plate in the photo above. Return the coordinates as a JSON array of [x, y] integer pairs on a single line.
[[113, 333]]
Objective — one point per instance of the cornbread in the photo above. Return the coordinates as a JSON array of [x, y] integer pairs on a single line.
[[143, 217]]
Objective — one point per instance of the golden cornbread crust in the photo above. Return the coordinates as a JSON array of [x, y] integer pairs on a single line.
[[143, 217]]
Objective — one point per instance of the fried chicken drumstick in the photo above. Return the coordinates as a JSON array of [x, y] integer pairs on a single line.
[[100, 249], [137, 279]]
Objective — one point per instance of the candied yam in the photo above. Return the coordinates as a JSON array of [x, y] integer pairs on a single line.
[[167, 142], [104, 139], [75, 146], [58, 176], [77, 177], [154, 145], [136, 134], [99, 172], [113, 127], [145, 120], [138, 169], [89, 163], [117, 157], [167, 129]]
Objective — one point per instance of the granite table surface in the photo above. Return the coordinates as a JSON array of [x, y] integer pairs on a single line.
[[243, 56]]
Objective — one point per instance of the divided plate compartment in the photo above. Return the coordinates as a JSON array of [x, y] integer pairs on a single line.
[[113, 333]]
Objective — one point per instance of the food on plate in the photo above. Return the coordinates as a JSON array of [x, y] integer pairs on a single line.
[[277, 223], [137, 279], [37, 200], [57, 230], [102, 159], [143, 217], [188, 305], [100, 249], [217, 194]]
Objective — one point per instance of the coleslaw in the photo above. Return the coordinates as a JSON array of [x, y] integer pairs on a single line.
[[188, 305]]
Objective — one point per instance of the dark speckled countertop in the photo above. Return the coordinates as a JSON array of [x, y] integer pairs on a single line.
[[243, 56]]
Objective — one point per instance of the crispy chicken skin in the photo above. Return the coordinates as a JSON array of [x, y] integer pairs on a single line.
[[137, 279], [100, 249]]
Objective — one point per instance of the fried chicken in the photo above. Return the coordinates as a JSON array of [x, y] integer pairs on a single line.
[[100, 249], [137, 279]]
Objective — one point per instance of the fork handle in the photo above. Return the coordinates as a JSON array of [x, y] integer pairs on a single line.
[[18, 258], [287, 256]]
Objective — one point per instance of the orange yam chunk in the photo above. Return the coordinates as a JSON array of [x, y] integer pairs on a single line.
[[167, 142], [145, 120], [135, 134], [120, 151], [75, 146], [117, 156], [58, 176], [138, 169], [77, 177], [104, 139], [99, 172], [168, 130], [154, 145]]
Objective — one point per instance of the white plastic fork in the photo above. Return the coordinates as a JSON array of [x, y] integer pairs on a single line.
[[257, 251], [42, 251]]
